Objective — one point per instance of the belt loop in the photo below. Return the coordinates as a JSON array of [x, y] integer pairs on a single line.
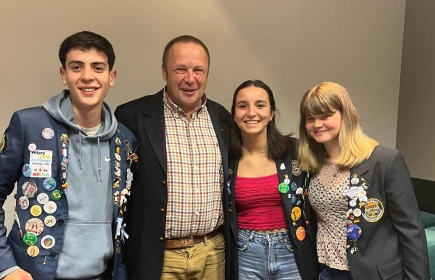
[[205, 239], [251, 236]]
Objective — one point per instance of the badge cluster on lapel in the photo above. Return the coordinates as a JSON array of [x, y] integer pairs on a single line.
[[294, 192]]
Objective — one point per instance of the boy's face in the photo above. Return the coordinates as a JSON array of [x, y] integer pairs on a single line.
[[88, 78]]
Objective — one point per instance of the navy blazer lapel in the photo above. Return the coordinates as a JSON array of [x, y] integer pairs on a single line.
[[222, 133], [360, 169], [154, 125]]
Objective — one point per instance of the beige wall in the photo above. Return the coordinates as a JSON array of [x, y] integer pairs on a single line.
[[289, 44], [415, 133]]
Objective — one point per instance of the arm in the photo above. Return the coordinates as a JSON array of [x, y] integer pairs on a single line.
[[405, 216], [11, 163]]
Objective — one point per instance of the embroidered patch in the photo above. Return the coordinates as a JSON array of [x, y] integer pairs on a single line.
[[373, 210], [3, 143]]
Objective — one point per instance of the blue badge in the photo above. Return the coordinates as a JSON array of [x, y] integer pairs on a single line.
[[294, 186], [354, 232], [49, 184], [293, 198], [27, 170]]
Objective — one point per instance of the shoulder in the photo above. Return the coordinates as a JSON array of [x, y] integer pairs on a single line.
[[220, 111], [384, 153], [139, 103]]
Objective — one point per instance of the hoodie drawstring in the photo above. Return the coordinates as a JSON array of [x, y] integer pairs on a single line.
[[99, 160], [80, 149]]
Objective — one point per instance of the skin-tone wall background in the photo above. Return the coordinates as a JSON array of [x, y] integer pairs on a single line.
[[291, 45]]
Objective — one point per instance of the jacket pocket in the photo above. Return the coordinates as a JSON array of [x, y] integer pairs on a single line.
[[392, 270]]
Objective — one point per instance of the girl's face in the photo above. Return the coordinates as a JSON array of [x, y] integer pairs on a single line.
[[252, 110], [324, 128]]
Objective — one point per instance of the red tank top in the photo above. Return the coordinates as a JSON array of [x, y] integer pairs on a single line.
[[258, 203]]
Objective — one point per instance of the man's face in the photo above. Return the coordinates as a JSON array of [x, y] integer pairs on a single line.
[[88, 78], [186, 75]]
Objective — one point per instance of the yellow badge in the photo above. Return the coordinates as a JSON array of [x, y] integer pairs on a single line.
[[373, 210]]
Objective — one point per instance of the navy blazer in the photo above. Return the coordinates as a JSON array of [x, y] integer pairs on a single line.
[[304, 250], [25, 128], [146, 214], [393, 242]]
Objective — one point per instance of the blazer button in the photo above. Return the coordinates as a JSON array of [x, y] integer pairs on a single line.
[[164, 182], [52, 254], [162, 210], [161, 239], [60, 222]]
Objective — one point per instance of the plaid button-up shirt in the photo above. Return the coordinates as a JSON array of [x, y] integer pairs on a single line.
[[194, 172]]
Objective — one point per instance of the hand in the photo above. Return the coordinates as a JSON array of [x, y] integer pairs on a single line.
[[18, 274]]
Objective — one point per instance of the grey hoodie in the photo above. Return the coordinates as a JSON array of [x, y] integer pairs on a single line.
[[87, 241]]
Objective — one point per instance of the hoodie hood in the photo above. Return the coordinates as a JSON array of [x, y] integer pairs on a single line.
[[60, 108]]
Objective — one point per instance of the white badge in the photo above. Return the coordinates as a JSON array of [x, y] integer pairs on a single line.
[[40, 163]]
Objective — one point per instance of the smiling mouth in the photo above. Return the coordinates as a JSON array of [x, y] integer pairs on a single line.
[[252, 122]]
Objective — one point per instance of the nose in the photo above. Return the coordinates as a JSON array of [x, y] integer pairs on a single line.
[[251, 111], [317, 123], [87, 74], [189, 77]]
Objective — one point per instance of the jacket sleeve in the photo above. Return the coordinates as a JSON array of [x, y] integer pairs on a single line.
[[11, 163], [406, 219]]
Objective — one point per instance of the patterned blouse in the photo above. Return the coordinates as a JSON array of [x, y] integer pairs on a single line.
[[330, 204]]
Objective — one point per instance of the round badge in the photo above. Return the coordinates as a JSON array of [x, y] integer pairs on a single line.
[[30, 239], [23, 202], [357, 212], [373, 210], [32, 147], [296, 213], [287, 181], [293, 198], [29, 189], [352, 203], [56, 195], [294, 186], [42, 198], [299, 191], [33, 251], [118, 157], [354, 232], [49, 184], [300, 233], [50, 221], [27, 170], [50, 207], [354, 181], [35, 210], [117, 141], [283, 188], [35, 225], [47, 242], [47, 133]]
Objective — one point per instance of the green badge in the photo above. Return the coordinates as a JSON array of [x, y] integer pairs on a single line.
[[56, 195], [30, 239], [283, 188]]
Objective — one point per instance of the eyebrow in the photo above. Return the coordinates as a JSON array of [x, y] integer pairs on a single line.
[[81, 62]]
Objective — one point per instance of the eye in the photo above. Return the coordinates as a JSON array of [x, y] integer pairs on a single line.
[[76, 67], [199, 71], [261, 105], [241, 106], [180, 70], [99, 68], [309, 119]]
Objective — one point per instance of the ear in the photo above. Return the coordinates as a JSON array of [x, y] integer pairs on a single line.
[[271, 115], [112, 77], [62, 75], [164, 73]]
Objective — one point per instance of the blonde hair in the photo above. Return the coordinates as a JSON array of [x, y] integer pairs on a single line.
[[354, 145]]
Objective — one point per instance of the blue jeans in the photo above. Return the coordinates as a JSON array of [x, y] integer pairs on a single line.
[[266, 256], [327, 273]]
